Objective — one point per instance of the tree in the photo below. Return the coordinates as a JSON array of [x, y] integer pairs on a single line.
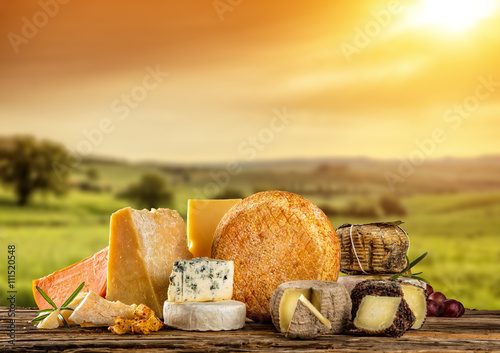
[[27, 165], [150, 192], [92, 174], [230, 193], [392, 206]]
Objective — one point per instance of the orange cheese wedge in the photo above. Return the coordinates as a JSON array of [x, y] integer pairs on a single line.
[[59, 285]]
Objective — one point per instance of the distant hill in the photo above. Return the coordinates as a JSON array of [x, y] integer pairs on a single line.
[[325, 175]]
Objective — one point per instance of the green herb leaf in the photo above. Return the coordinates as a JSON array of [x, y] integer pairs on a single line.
[[64, 306], [46, 297], [418, 259], [63, 320], [408, 267], [44, 311], [39, 318], [75, 293]]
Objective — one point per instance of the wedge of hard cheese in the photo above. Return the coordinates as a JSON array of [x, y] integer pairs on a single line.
[[97, 311], [202, 219], [143, 246], [53, 321], [60, 284]]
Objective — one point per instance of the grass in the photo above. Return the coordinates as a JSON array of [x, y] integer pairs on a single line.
[[460, 232], [51, 234]]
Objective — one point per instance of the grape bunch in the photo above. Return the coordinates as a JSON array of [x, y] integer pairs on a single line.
[[438, 305]]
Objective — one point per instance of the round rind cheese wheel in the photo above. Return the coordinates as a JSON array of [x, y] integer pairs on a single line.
[[205, 316], [275, 237]]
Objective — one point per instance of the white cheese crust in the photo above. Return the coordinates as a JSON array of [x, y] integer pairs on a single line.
[[205, 316]]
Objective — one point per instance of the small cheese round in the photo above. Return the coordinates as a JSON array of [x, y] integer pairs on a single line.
[[275, 237], [373, 248], [205, 316], [330, 298]]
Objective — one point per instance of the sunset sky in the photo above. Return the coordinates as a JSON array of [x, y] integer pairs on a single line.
[[203, 80]]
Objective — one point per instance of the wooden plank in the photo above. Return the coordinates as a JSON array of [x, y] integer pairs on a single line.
[[476, 330]]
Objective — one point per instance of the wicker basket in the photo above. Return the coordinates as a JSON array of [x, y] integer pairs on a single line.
[[374, 248]]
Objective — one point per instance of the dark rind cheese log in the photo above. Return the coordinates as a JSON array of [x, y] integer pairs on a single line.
[[404, 318], [383, 288]]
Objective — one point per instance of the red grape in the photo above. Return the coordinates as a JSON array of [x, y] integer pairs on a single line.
[[429, 289], [452, 308], [433, 308], [438, 297]]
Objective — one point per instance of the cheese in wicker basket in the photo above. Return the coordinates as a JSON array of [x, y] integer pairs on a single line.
[[275, 237], [373, 248]]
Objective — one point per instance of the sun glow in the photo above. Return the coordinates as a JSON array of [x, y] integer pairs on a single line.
[[452, 15]]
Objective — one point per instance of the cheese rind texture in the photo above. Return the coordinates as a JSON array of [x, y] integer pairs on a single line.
[[97, 311], [201, 279], [143, 246], [305, 322], [350, 281], [329, 298], [205, 316], [373, 248], [275, 237], [203, 216]]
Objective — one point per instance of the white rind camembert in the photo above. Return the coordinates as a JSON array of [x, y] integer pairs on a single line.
[[205, 316]]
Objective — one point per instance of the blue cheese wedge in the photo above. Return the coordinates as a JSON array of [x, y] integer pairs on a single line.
[[201, 280]]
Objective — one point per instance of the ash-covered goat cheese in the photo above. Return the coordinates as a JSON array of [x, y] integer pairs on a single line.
[[201, 279]]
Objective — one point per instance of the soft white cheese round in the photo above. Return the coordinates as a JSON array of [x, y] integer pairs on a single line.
[[205, 316]]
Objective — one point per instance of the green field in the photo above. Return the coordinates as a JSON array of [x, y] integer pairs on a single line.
[[459, 230]]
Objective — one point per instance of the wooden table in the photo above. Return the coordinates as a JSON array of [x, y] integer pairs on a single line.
[[475, 331]]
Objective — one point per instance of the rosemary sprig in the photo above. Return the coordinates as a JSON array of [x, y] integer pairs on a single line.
[[64, 306], [409, 265]]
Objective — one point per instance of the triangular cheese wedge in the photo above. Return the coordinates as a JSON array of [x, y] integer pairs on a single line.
[[143, 246], [97, 311]]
